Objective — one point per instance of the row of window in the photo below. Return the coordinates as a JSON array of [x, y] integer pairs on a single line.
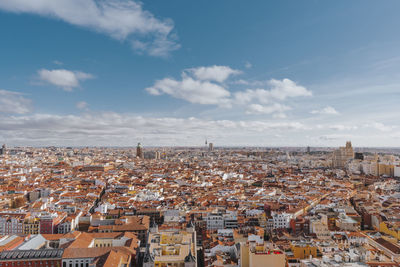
[[31, 264], [76, 264], [103, 245]]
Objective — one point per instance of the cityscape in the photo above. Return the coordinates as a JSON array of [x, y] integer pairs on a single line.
[[203, 133], [200, 206]]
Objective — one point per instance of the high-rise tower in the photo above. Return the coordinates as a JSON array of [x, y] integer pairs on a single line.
[[139, 151], [3, 149], [210, 146], [342, 155]]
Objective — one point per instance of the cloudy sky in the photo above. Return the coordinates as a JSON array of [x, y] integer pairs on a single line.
[[239, 73]]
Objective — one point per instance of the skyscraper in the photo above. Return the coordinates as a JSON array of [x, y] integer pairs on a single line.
[[210, 146], [3, 150], [139, 151]]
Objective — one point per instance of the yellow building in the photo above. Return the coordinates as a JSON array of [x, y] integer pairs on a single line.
[[260, 255], [391, 229], [103, 242], [302, 250], [31, 226], [386, 169]]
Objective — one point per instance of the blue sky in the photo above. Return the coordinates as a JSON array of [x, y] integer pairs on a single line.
[[259, 73]]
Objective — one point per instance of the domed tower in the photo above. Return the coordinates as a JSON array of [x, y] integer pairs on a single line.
[[349, 150]]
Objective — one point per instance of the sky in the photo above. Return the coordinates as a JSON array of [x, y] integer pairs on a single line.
[[177, 72]]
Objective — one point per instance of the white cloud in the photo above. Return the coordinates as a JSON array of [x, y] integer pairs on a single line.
[[332, 137], [194, 91], [280, 115], [249, 95], [213, 73], [82, 105], [328, 110], [248, 65], [282, 89], [125, 129], [341, 127], [241, 82], [379, 126], [268, 109], [250, 83], [115, 129], [198, 85], [65, 79], [260, 95], [205, 85], [120, 19], [14, 103]]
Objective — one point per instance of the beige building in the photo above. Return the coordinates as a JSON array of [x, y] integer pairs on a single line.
[[171, 248], [253, 254], [320, 229], [342, 155], [347, 223], [386, 169]]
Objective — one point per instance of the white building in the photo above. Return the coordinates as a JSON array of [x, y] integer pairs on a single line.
[[66, 226], [396, 171], [230, 220], [281, 220], [11, 225], [214, 221]]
